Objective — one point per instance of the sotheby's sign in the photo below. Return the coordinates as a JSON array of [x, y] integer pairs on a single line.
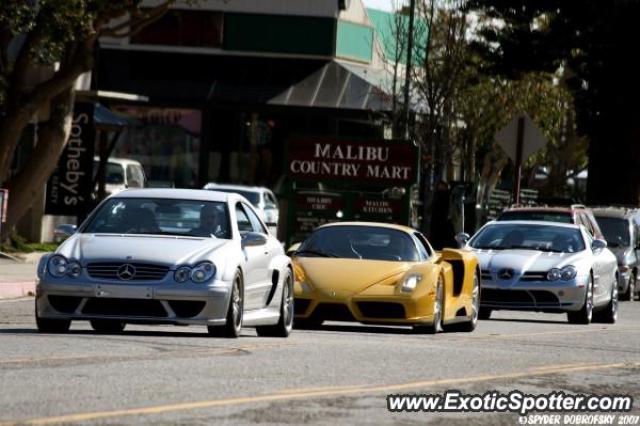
[[69, 187], [389, 162]]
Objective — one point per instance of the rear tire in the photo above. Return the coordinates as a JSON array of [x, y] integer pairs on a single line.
[[609, 314], [233, 324], [585, 314], [108, 326], [630, 294], [285, 322]]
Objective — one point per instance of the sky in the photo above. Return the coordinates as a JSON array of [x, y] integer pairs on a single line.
[[379, 4]]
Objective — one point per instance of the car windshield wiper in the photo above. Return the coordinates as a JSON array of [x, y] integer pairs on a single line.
[[612, 244], [488, 247], [315, 253], [549, 249]]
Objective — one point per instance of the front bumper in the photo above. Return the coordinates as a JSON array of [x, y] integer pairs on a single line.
[[139, 302], [623, 279], [544, 296], [379, 304]]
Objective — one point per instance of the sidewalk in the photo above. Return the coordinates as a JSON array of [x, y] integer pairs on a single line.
[[18, 279]]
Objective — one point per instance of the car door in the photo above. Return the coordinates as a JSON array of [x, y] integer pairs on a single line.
[[257, 257], [600, 271]]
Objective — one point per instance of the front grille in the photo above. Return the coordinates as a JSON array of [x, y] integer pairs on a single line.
[[485, 275], [385, 310], [506, 297], [186, 308], [545, 298], [515, 298], [534, 276], [333, 312], [143, 271], [300, 306], [65, 304], [124, 307]]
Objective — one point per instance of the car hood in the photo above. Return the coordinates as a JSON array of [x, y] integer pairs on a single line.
[[348, 275], [166, 250], [523, 260]]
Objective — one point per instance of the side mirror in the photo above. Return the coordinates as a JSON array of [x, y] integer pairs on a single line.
[[294, 247], [253, 239], [598, 245], [462, 239]]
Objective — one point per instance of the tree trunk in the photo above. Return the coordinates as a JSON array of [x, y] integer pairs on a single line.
[[27, 184], [11, 128]]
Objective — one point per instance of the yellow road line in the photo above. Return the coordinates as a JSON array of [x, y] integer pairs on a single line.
[[296, 394]]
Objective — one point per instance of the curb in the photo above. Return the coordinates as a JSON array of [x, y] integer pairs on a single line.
[[17, 289]]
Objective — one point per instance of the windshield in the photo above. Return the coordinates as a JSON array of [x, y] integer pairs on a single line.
[[501, 236], [537, 216], [360, 242], [616, 231], [161, 217], [253, 197]]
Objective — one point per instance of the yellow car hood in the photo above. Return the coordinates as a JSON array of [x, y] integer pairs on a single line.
[[348, 275]]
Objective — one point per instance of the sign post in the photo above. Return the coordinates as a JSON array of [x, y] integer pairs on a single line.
[[520, 139]]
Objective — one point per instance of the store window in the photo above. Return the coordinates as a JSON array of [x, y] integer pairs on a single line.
[[166, 142]]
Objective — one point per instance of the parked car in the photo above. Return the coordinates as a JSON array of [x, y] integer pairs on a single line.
[[621, 229], [64, 231], [383, 274], [576, 214], [121, 174], [169, 256], [545, 266], [262, 199]]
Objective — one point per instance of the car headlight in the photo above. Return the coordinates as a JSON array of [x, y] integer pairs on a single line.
[[74, 269], [554, 274], [410, 283], [59, 266], [182, 274], [203, 272], [567, 273]]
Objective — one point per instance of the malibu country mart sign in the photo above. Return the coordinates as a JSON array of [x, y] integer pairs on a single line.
[[387, 162]]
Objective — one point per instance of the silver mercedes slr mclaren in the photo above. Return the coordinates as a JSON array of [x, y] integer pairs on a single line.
[[168, 256], [545, 266]]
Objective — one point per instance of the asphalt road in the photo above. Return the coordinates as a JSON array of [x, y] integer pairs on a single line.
[[340, 374]]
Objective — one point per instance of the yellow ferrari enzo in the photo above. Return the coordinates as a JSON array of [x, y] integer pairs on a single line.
[[378, 273]]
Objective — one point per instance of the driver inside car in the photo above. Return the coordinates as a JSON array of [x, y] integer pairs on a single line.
[[211, 223]]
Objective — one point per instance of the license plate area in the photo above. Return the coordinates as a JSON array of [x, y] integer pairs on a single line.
[[123, 291]]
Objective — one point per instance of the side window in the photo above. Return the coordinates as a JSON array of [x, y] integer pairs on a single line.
[[270, 200], [256, 225], [423, 246], [244, 224]]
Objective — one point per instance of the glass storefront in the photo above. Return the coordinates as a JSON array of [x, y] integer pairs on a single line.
[[166, 142]]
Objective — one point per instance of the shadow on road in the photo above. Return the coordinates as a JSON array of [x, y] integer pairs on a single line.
[[362, 329], [532, 321]]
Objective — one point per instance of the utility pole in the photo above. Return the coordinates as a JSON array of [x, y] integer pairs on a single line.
[[407, 74]]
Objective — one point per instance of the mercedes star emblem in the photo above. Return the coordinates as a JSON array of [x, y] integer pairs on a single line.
[[505, 274], [126, 272]]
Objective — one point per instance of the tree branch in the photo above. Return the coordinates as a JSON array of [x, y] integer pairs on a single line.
[[137, 22]]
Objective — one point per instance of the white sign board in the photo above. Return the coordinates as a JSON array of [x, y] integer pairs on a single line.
[[533, 139]]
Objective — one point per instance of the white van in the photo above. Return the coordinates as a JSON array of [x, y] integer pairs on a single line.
[[121, 174]]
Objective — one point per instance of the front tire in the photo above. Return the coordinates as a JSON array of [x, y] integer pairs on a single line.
[[438, 305], [47, 325], [285, 322], [108, 326], [585, 314], [233, 324]]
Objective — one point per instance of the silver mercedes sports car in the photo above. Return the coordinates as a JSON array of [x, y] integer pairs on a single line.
[[545, 266], [168, 256]]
